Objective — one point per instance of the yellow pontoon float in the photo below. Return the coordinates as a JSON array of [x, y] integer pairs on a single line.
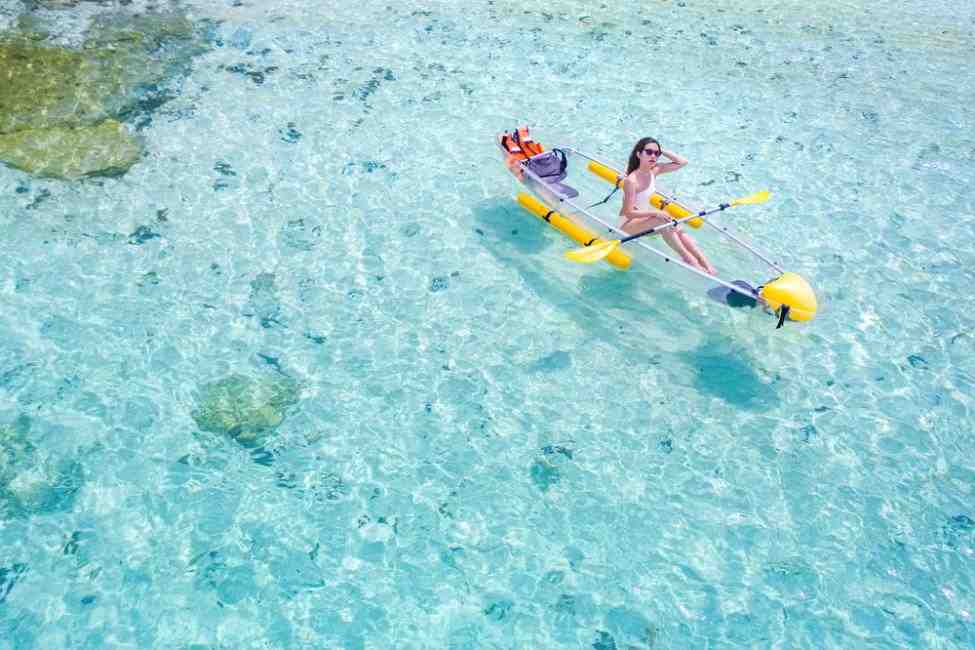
[[544, 172]]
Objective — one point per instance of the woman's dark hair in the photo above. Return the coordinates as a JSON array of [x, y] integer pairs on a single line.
[[637, 148]]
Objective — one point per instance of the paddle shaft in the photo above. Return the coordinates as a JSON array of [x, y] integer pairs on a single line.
[[677, 222]]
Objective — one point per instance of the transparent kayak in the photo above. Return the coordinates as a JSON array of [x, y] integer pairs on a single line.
[[580, 196]]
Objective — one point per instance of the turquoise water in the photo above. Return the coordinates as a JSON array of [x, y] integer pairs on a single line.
[[490, 447]]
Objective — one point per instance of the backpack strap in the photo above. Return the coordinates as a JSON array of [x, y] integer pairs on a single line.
[[563, 162]]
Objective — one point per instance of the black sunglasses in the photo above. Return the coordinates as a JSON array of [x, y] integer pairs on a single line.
[[655, 152]]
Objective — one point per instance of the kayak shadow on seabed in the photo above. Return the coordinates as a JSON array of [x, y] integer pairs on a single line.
[[716, 368], [508, 234], [722, 372]]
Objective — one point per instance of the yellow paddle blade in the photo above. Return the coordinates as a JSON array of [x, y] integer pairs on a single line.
[[593, 253], [757, 197]]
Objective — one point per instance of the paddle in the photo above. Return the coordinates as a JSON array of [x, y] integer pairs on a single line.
[[596, 252]]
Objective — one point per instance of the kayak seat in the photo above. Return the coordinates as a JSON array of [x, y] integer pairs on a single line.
[[550, 168], [562, 189]]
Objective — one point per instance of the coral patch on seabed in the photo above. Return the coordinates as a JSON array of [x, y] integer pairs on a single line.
[[61, 109], [31, 482], [106, 149], [244, 408]]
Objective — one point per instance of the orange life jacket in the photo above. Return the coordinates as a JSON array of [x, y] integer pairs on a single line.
[[519, 146]]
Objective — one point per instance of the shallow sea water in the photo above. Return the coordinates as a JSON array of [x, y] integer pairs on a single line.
[[494, 448]]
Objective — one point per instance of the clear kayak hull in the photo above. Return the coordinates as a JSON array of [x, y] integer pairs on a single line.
[[580, 196]]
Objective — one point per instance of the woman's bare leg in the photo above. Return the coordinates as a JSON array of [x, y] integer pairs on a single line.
[[673, 240], [692, 248]]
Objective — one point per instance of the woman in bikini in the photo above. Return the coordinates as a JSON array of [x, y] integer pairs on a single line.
[[638, 215]]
